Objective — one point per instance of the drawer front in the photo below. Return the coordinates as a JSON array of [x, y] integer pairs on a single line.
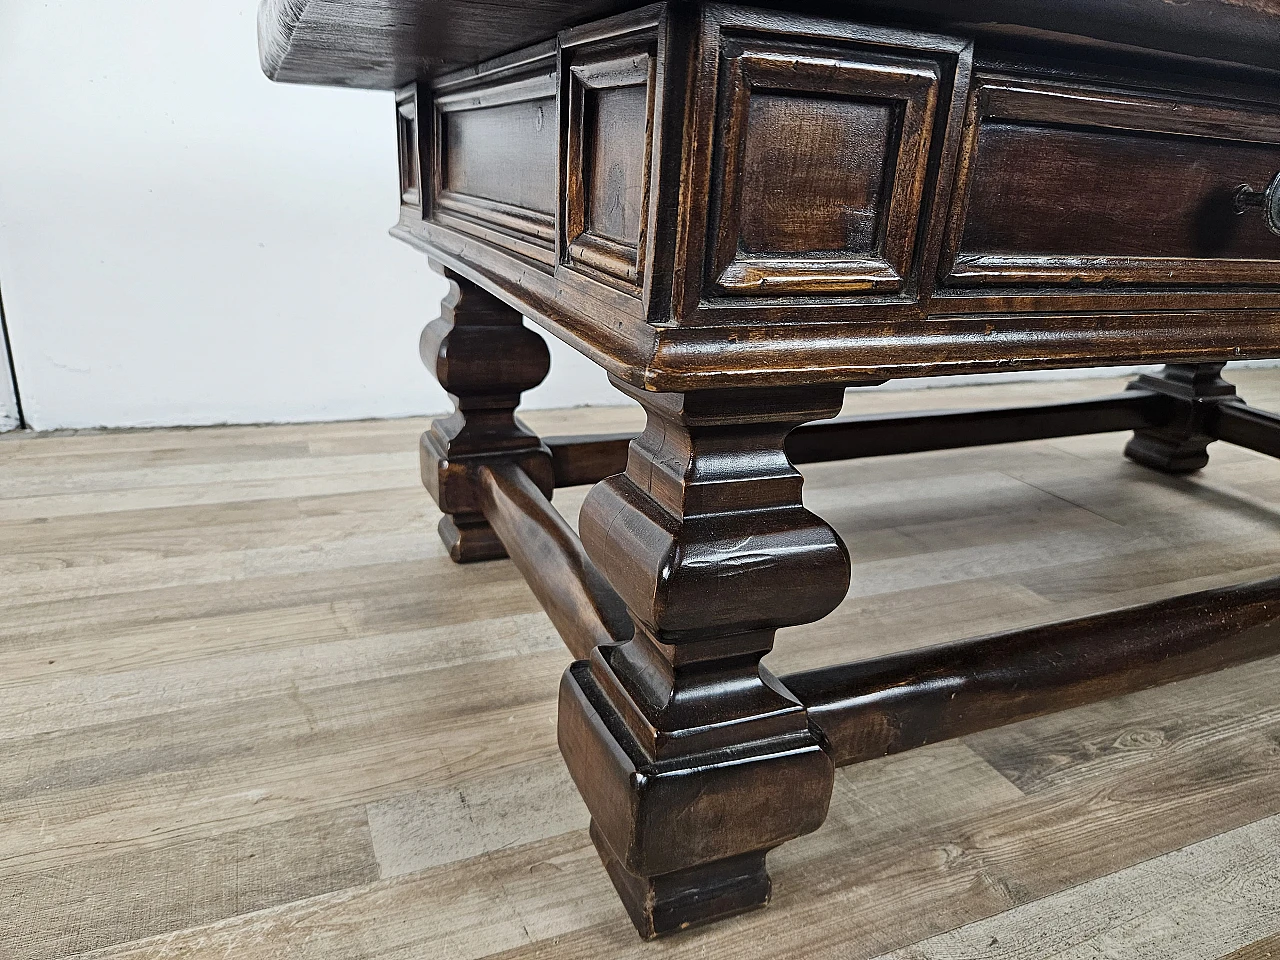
[[1084, 186]]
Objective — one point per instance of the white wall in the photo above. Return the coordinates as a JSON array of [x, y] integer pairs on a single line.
[[184, 242]]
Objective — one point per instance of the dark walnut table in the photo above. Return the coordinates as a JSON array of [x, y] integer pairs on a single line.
[[739, 212]]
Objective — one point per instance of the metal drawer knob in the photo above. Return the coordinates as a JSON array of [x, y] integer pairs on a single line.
[[1268, 200]]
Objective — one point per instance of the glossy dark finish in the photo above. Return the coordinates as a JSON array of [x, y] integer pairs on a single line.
[[1181, 445], [692, 759], [481, 352], [877, 707], [589, 459], [385, 43], [850, 135], [580, 603], [750, 198], [1049, 188], [879, 435], [1246, 427], [738, 212]]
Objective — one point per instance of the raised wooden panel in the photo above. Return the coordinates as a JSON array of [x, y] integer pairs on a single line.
[[698, 145], [610, 97], [823, 207], [482, 148], [1092, 186], [823, 155], [614, 173], [495, 156]]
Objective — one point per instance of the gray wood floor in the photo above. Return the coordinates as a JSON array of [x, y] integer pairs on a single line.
[[249, 709]]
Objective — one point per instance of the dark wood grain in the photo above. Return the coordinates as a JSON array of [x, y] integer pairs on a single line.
[[1081, 183], [864, 199], [878, 435], [1089, 193], [835, 150], [616, 175], [481, 352], [590, 459], [741, 211], [882, 706], [823, 162], [385, 43], [584, 608], [693, 761], [493, 154], [483, 148], [578, 460], [814, 171], [610, 85]]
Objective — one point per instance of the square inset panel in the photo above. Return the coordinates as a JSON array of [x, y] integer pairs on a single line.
[[833, 202], [617, 121], [823, 156], [607, 158]]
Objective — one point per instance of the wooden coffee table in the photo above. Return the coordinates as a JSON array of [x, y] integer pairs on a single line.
[[739, 213]]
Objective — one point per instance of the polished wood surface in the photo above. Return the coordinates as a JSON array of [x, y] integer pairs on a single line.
[[739, 212], [884, 705], [385, 43], [269, 679], [692, 759], [584, 608], [676, 735], [1081, 184], [481, 352], [765, 198], [590, 459]]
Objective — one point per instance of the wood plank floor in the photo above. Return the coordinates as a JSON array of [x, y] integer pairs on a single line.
[[249, 709]]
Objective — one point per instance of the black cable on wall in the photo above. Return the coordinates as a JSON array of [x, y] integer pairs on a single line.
[[13, 370]]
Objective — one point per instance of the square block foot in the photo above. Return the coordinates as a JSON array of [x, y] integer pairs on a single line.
[[470, 539], [1165, 455], [659, 906]]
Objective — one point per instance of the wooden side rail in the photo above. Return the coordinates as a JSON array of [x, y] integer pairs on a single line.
[[1244, 426], [590, 459], [889, 704], [885, 434], [581, 604]]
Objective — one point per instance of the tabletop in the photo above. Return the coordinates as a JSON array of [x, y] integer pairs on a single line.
[[383, 44]]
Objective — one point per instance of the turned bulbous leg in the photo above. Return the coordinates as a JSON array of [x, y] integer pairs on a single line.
[[484, 356], [692, 758]]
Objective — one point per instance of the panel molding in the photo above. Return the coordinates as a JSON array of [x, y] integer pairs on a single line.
[[907, 88], [846, 71], [530, 80], [1085, 110], [408, 147], [593, 69]]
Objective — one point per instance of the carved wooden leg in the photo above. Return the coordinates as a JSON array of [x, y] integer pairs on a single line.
[[481, 352], [693, 759], [1181, 445]]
